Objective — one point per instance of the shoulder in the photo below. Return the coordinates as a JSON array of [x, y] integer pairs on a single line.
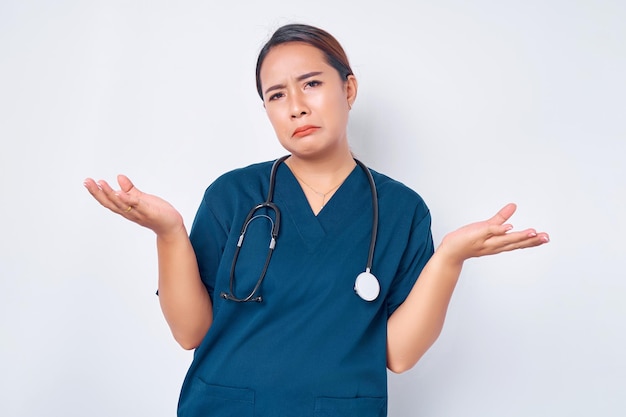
[[245, 173], [396, 196], [237, 188], [241, 178]]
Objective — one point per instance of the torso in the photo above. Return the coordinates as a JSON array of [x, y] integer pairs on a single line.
[[312, 344]]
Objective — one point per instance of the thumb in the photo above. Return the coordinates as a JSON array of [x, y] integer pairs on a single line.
[[504, 214], [125, 183]]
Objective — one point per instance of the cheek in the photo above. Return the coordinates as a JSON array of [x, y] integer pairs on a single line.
[[276, 121], [272, 116], [336, 109]]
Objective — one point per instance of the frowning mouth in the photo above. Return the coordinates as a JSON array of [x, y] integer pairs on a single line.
[[304, 131]]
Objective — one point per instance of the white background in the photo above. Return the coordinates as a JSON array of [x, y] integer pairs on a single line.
[[472, 104]]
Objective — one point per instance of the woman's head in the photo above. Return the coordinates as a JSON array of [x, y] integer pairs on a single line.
[[307, 88], [311, 35]]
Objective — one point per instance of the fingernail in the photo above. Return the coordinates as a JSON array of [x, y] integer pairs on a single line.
[[545, 239], [532, 234], [508, 227]]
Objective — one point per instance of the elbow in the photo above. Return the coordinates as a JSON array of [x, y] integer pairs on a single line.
[[399, 367], [187, 341], [187, 345], [403, 355], [189, 337], [399, 362]]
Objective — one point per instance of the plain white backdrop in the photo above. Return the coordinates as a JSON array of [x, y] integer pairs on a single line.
[[472, 104]]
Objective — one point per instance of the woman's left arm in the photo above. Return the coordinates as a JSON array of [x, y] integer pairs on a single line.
[[417, 322]]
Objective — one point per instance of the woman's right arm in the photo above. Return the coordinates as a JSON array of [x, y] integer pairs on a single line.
[[184, 299]]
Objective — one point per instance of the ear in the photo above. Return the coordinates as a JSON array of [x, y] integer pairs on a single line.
[[351, 89]]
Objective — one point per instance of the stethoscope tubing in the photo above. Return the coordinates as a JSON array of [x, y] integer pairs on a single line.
[[370, 178], [268, 203]]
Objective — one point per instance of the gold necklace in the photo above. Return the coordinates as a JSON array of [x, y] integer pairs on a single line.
[[320, 194]]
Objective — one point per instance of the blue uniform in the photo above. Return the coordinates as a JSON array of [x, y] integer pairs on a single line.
[[312, 347]]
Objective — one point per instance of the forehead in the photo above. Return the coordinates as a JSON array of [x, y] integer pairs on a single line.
[[290, 60]]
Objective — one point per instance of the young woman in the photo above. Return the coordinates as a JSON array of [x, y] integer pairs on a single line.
[[305, 278]]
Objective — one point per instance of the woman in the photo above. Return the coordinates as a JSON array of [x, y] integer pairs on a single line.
[[283, 328]]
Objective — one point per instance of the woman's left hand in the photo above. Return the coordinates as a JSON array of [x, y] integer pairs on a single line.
[[489, 237]]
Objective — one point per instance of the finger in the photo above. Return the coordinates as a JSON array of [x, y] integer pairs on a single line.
[[527, 243], [90, 185], [128, 194], [128, 202], [504, 214], [520, 240], [120, 202], [95, 189], [499, 229], [514, 237], [125, 183]]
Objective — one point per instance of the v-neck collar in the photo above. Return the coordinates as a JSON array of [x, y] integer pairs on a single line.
[[297, 212]]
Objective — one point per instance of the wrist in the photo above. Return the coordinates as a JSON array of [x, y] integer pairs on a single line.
[[173, 235], [449, 254]]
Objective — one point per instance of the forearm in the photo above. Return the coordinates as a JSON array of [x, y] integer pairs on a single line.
[[417, 323], [184, 299]]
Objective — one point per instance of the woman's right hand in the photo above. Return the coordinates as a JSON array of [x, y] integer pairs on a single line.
[[144, 209]]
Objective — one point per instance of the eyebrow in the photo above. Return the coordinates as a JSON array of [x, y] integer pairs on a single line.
[[299, 78]]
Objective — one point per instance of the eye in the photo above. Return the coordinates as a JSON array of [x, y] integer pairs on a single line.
[[275, 96], [313, 83]]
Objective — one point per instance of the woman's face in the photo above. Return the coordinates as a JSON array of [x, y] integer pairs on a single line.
[[306, 100]]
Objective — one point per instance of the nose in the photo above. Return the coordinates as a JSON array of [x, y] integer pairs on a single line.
[[299, 107]]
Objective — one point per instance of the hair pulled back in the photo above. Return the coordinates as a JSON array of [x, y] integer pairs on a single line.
[[311, 35]]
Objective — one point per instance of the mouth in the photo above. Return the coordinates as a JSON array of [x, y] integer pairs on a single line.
[[304, 131]]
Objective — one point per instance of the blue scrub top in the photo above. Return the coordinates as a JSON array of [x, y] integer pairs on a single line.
[[312, 347]]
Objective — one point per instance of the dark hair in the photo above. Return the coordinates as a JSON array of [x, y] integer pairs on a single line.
[[316, 37]]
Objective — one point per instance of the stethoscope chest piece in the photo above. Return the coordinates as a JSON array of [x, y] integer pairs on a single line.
[[367, 286]]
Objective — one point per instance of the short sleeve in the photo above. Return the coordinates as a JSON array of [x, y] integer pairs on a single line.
[[418, 250], [208, 238]]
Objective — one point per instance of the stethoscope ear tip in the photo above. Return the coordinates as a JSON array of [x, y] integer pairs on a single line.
[[226, 296]]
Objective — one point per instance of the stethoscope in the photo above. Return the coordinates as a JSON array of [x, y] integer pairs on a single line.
[[366, 285]]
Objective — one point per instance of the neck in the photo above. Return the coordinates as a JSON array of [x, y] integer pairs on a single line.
[[321, 169], [321, 178]]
